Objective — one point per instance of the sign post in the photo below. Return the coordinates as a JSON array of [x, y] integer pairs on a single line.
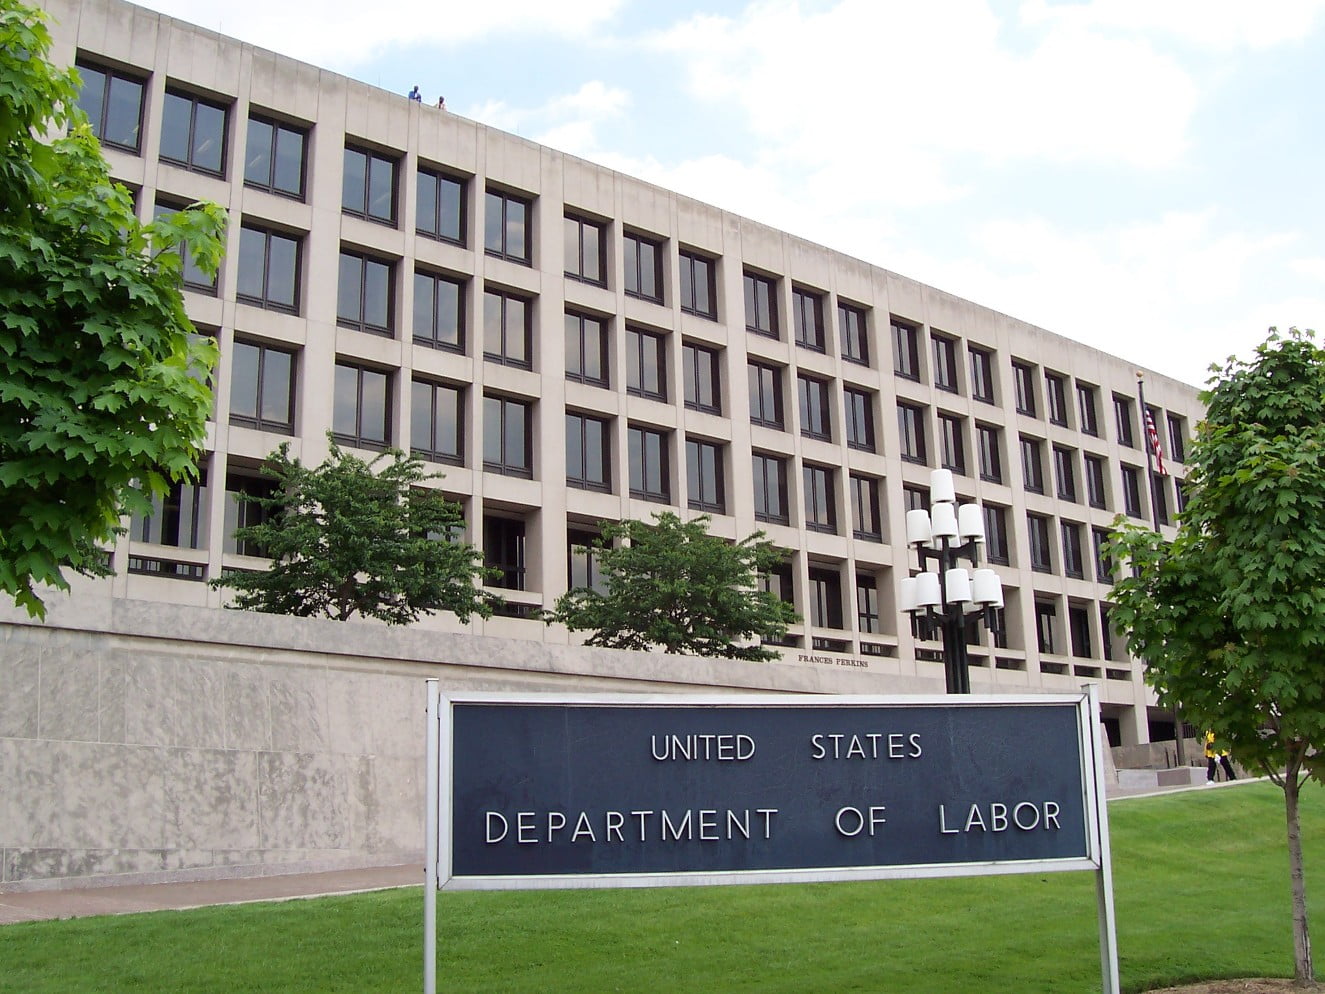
[[539, 791]]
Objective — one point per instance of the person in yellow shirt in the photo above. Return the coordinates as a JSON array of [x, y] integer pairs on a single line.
[[1212, 757]]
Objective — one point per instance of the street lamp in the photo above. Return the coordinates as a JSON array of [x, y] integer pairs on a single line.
[[947, 534]]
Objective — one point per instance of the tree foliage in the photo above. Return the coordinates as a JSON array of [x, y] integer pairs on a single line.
[[353, 537], [673, 586], [103, 401], [1230, 615]]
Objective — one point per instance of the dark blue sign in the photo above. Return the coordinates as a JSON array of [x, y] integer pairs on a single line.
[[571, 789]]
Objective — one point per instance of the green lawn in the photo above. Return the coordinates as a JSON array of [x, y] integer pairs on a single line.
[[1201, 883]]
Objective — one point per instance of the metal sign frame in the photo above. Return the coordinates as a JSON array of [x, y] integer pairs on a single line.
[[440, 782]]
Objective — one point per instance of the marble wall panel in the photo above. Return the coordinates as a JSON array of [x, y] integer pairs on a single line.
[[304, 801], [148, 716], [20, 677], [69, 694], [199, 704], [112, 682], [247, 721], [298, 711], [211, 798]]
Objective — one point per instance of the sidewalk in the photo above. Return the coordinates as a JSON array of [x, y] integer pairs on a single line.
[[128, 899]]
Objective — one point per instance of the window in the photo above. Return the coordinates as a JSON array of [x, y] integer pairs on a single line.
[[262, 387], [1045, 613], [506, 227], [1037, 527], [859, 419], [1180, 486], [646, 364], [1056, 398], [507, 329], [178, 517], [704, 483], [1078, 628], [643, 267], [506, 436], [982, 374], [193, 133], [814, 408], [1122, 409], [766, 396], [1106, 629], [906, 350], [584, 244], [952, 443], [192, 277], [364, 297], [587, 459], [1065, 472], [1103, 568], [825, 598], [867, 604], [268, 270], [362, 414], [1159, 487], [503, 550], [1087, 408], [437, 422], [1023, 379], [582, 567], [945, 363], [440, 211], [1095, 486], [113, 103], [866, 522], [855, 338], [761, 305], [770, 489], [274, 157], [700, 377], [648, 464], [1032, 468], [807, 312], [698, 285], [820, 508], [241, 513], [439, 311], [911, 428], [368, 186], [1073, 563], [996, 534], [777, 581], [586, 349], [1177, 438], [1132, 492], [915, 498], [988, 439]]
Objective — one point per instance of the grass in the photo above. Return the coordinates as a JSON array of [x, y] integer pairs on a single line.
[[1201, 889]]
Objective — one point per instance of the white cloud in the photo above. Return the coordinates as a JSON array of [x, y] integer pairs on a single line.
[[1213, 24], [879, 81], [344, 33]]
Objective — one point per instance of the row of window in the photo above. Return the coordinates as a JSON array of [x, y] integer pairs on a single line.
[[177, 519]]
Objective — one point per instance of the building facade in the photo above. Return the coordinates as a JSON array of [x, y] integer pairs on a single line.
[[569, 345]]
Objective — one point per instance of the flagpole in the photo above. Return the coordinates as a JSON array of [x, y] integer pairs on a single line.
[[1145, 444], [1180, 749]]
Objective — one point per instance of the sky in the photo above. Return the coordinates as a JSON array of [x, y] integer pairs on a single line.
[[1142, 176]]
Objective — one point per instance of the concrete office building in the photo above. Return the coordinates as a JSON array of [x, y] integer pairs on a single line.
[[570, 345]]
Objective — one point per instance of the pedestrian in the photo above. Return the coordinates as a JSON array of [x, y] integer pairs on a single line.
[[1213, 757], [415, 95], [441, 103]]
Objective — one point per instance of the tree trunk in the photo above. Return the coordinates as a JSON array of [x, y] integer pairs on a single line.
[[1303, 972]]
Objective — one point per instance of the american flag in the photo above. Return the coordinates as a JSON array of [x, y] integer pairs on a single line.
[[1152, 436]]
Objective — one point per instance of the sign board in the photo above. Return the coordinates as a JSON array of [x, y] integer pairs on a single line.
[[630, 791], [529, 790]]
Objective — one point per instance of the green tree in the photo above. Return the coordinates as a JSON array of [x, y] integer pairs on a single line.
[[1230, 615], [349, 537], [103, 395], [671, 585]]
